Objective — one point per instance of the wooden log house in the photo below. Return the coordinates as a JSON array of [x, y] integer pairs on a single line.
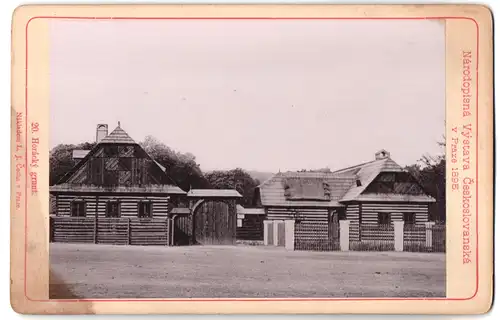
[[374, 193]]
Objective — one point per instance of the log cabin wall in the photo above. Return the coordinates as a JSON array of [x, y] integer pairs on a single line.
[[313, 221], [370, 211], [319, 215], [129, 204], [367, 213], [352, 214]]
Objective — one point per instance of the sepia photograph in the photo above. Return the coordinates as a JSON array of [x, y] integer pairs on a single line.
[[247, 158]]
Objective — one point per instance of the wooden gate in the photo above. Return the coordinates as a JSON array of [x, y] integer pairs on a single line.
[[181, 227], [214, 223], [334, 231]]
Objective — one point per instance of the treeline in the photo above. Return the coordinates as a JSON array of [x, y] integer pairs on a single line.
[[181, 167], [431, 174], [186, 172]]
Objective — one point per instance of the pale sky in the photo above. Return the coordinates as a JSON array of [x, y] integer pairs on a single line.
[[263, 95]]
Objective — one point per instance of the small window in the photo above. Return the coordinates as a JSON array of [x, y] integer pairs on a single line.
[[78, 209], [409, 217], [384, 218], [113, 209], [145, 210], [358, 183]]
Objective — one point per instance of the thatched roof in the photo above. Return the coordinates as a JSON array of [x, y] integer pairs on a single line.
[[330, 189]]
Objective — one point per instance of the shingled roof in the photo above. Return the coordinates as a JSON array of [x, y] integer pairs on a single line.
[[343, 185], [249, 211], [117, 136], [366, 173]]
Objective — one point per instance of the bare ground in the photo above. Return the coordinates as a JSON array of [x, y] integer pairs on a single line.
[[102, 271]]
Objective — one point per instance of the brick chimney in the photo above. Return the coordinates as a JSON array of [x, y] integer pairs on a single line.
[[382, 154], [101, 132]]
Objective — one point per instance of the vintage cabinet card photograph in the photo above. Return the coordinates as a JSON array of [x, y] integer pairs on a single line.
[[252, 159]]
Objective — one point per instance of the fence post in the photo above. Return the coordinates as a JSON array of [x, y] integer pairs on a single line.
[[398, 235], [344, 235], [290, 234], [172, 230], [96, 228], [128, 232], [267, 226], [428, 234], [275, 232], [167, 231]]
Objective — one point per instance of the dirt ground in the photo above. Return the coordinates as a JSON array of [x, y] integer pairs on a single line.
[[102, 271]]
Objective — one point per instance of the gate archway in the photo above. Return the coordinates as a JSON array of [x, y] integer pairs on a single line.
[[214, 222]]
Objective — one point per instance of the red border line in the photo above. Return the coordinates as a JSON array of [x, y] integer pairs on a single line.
[[249, 299]]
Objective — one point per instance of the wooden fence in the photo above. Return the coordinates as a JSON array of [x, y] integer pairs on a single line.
[[414, 238], [133, 231], [374, 237], [316, 237], [438, 232], [113, 231], [419, 238], [182, 230]]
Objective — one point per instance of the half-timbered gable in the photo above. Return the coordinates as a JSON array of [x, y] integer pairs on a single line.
[[117, 160]]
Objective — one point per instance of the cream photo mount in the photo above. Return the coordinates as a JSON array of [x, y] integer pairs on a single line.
[[469, 161]]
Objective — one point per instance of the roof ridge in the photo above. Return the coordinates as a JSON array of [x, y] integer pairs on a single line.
[[269, 179], [357, 166]]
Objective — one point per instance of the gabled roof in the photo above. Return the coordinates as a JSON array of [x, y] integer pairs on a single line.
[[214, 193], [366, 173], [118, 136], [344, 185], [160, 166], [250, 211], [180, 211]]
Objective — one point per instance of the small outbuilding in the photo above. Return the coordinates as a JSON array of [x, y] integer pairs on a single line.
[[250, 223]]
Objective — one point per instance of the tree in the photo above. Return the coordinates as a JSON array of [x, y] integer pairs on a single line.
[[237, 179], [430, 172], [61, 159], [181, 167]]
